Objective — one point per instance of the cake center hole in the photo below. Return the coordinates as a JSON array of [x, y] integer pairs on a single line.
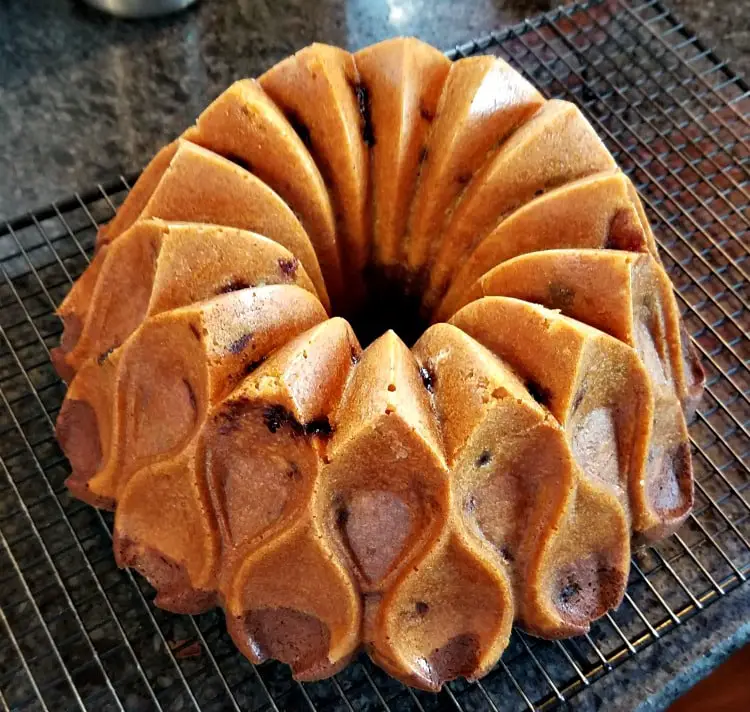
[[388, 307]]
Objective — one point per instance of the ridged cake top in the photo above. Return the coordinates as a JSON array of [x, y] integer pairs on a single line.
[[413, 502]]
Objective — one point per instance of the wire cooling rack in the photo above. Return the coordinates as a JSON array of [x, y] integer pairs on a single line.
[[77, 633]]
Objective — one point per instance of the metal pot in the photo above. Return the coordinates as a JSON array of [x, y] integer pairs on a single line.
[[140, 8]]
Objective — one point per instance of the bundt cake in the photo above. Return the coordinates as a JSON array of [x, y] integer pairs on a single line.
[[411, 502]]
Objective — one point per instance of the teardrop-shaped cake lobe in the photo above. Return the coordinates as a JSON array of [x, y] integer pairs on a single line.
[[625, 294], [628, 296], [293, 601], [167, 375], [165, 529], [403, 78], [498, 441], [515, 483], [483, 101], [244, 125], [585, 571], [85, 428], [594, 212], [594, 385], [74, 309], [384, 494], [249, 474], [556, 146], [263, 446], [156, 266], [448, 617], [73, 313], [319, 92], [286, 594]]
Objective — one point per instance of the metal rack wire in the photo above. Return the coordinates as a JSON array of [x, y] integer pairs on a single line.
[[77, 633]]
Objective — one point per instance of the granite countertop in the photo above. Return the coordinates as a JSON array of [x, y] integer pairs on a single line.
[[84, 97]]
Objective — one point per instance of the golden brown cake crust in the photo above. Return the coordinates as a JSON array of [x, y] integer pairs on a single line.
[[412, 502]]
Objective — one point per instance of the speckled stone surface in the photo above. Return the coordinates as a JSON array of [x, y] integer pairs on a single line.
[[723, 24], [655, 677], [84, 97]]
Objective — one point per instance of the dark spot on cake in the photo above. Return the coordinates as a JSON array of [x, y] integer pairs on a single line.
[[241, 162], [227, 419], [471, 504], [458, 657], [196, 332], [342, 517], [422, 608], [560, 296], [578, 399], [423, 155], [233, 286], [427, 374], [320, 427], [538, 393], [507, 554], [354, 355], [102, 357], [463, 178], [362, 95], [625, 232], [425, 113], [299, 126], [484, 458], [570, 590], [293, 473], [191, 395], [587, 588], [252, 366], [288, 267], [276, 417], [538, 192], [239, 345]]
